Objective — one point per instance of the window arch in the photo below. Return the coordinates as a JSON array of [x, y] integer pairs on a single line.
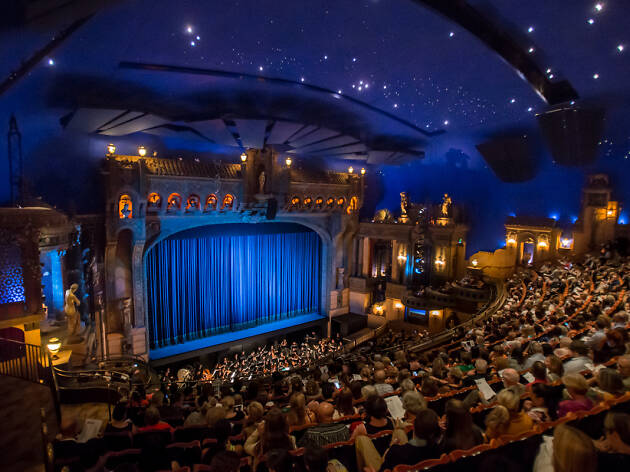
[[228, 202], [330, 202], [125, 207], [154, 201], [341, 201], [211, 202], [174, 202], [353, 206], [319, 203], [308, 202], [295, 202], [193, 202]]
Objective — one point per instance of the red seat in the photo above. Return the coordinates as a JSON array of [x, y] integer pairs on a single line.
[[424, 465]]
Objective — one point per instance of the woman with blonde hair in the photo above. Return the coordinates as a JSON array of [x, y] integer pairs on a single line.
[[255, 412], [299, 415], [569, 450], [577, 386], [506, 418]]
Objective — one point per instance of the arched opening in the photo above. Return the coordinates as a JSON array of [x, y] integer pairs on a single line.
[[353, 206], [154, 201], [295, 202], [341, 202], [211, 202], [308, 203], [125, 207], [193, 202], [123, 282], [228, 202], [319, 203], [174, 202], [330, 202]]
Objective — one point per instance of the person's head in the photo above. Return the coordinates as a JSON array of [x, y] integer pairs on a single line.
[[426, 426], [536, 348], [602, 322], [455, 375], [276, 431], [458, 418], [69, 427], [376, 407], [297, 402], [214, 414], [255, 412], [151, 416], [297, 385], [575, 384], [555, 365], [540, 395], [157, 400], [481, 366], [325, 412], [539, 371], [610, 381], [497, 419], [429, 387], [379, 376], [312, 388], [623, 364], [368, 391], [120, 412], [344, 402], [573, 450], [355, 388], [578, 348], [222, 430], [510, 378], [413, 402], [228, 403], [279, 460], [407, 385], [509, 399], [315, 459], [617, 428], [225, 461]]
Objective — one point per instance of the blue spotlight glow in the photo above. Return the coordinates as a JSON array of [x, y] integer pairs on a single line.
[[574, 219], [623, 219], [554, 216]]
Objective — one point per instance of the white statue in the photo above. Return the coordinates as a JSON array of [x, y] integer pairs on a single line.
[[71, 302], [261, 182]]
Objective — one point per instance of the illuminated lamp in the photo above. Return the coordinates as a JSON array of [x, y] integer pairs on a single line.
[[474, 262], [288, 161], [542, 243], [402, 258], [439, 262], [610, 213], [111, 149], [565, 243], [243, 157], [350, 170], [434, 312], [142, 151], [362, 170], [398, 305], [511, 240], [54, 345]]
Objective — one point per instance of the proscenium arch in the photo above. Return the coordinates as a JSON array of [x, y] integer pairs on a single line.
[[326, 255]]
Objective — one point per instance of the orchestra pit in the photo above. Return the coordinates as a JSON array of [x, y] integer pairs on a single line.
[[326, 236]]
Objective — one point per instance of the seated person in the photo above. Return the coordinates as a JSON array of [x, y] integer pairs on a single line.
[[344, 405], [152, 421], [379, 383], [326, 432], [505, 418], [459, 432], [377, 417], [423, 445], [576, 387], [120, 423], [614, 447]]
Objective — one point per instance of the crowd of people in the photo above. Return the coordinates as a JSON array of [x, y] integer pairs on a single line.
[[558, 346]]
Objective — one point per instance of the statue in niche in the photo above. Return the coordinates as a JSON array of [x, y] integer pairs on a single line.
[[71, 302], [446, 206], [404, 206], [261, 182]]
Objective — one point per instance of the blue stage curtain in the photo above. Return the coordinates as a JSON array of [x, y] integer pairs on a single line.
[[199, 286]]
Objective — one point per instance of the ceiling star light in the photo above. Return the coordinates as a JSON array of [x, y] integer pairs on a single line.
[[530, 50], [530, 29], [590, 21], [620, 48], [51, 62], [302, 79], [260, 68], [451, 34], [395, 105], [189, 29], [596, 76], [530, 109], [551, 76], [513, 100], [445, 122], [192, 43], [599, 7]]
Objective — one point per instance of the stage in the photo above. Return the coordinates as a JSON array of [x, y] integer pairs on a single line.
[[219, 342]]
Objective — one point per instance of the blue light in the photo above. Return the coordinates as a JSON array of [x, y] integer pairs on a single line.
[[554, 216], [623, 219], [512, 214]]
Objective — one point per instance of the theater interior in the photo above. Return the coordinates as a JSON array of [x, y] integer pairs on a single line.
[[327, 236]]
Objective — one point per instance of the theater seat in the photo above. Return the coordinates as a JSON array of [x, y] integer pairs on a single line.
[[433, 464], [191, 433], [184, 453], [118, 441]]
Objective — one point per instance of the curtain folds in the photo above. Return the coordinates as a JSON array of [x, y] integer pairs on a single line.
[[201, 286]]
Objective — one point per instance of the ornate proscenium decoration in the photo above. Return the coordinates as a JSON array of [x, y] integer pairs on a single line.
[[404, 206]]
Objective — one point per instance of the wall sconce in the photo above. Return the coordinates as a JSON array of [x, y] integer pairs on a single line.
[[434, 312], [288, 161], [511, 241], [54, 345], [542, 243], [566, 243], [474, 262], [362, 170], [243, 158], [350, 170], [398, 305], [402, 258], [610, 213], [440, 262], [111, 149], [142, 151]]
